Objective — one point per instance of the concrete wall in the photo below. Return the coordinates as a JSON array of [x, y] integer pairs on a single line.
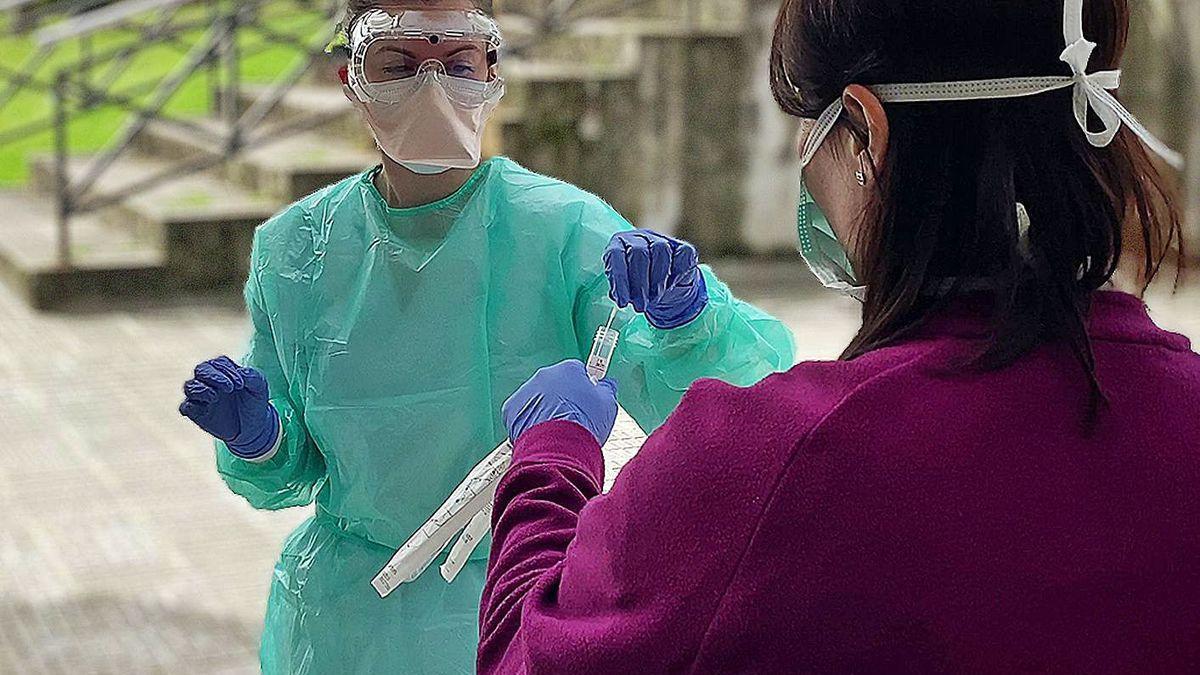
[[577, 129], [1161, 71], [706, 152], [660, 135], [1180, 28]]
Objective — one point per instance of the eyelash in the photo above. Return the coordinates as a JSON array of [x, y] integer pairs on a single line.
[[454, 68]]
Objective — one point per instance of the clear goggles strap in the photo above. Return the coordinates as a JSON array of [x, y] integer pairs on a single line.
[[432, 25]]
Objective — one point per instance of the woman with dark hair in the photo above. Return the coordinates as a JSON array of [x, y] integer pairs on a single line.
[[1000, 474]]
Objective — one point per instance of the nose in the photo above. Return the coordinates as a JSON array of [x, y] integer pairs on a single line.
[[433, 67]]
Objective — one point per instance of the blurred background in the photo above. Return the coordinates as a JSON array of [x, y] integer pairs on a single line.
[[141, 141]]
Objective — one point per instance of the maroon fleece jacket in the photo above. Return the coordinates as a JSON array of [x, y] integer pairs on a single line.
[[879, 515]]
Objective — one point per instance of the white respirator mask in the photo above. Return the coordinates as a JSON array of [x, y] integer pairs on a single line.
[[427, 117], [827, 257]]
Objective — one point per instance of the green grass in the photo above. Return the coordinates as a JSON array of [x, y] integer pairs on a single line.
[[91, 130]]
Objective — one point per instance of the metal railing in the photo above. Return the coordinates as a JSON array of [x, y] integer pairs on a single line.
[[86, 58], [89, 61], [29, 15]]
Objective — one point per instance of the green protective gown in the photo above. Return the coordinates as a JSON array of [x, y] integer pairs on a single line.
[[390, 339]]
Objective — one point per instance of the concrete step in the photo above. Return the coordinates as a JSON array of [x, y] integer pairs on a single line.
[[299, 165], [284, 169], [203, 224], [324, 100], [104, 264]]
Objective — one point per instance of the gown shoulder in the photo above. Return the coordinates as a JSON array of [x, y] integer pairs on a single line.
[[323, 201], [525, 190]]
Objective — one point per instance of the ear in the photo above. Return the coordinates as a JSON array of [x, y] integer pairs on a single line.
[[346, 91], [865, 108]]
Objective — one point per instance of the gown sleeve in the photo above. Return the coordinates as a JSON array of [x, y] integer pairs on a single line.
[[294, 474], [731, 340]]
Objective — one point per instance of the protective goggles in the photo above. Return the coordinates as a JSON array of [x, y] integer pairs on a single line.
[[1091, 94], [384, 67], [464, 92], [433, 26]]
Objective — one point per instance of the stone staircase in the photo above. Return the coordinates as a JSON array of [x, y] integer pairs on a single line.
[[191, 234], [588, 123]]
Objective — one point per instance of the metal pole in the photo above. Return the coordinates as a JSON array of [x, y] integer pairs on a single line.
[[61, 178], [88, 53], [214, 65], [190, 64], [233, 80]]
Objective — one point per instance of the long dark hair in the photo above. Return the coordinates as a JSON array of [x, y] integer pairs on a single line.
[[945, 193]]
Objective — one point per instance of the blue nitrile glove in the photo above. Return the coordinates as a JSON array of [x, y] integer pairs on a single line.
[[658, 275], [563, 392], [231, 403]]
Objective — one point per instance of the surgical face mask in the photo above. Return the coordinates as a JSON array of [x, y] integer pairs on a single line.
[[430, 121], [821, 249], [424, 169], [1091, 94]]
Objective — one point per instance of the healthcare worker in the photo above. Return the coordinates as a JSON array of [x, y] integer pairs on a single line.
[[1000, 476], [392, 314]]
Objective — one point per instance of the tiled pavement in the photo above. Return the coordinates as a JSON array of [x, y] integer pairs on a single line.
[[120, 549]]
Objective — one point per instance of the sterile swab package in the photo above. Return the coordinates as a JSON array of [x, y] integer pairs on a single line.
[[468, 510]]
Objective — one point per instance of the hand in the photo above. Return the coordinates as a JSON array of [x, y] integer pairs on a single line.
[[231, 403], [563, 392], [658, 275]]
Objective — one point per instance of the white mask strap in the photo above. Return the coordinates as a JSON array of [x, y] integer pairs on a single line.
[[1091, 93], [820, 131]]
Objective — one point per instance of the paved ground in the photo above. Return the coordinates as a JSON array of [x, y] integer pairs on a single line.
[[120, 550]]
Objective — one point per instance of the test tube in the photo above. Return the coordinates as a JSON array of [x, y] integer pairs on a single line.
[[602, 349]]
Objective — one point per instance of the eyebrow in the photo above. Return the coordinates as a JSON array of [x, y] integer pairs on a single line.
[[397, 50], [463, 49], [404, 52]]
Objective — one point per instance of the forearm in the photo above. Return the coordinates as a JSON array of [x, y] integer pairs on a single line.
[[636, 576], [730, 340], [557, 468], [748, 342]]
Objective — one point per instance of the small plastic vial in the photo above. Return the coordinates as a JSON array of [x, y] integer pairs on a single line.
[[602, 351]]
